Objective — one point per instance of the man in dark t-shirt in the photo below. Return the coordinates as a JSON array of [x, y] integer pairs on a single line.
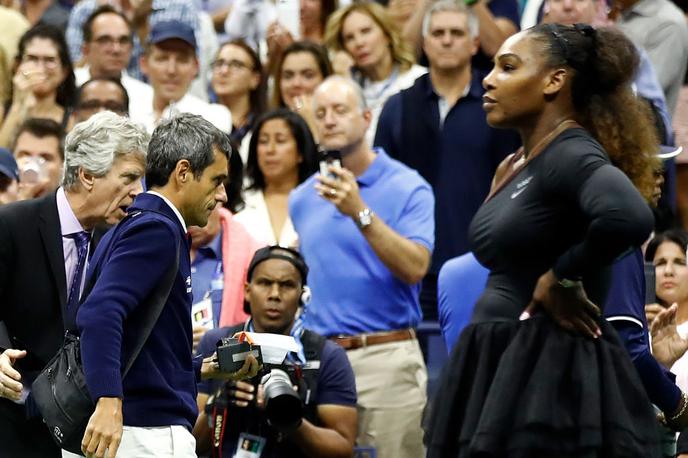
[[319, 370]]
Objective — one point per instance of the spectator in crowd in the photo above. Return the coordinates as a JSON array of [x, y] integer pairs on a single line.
[[43, 243], [257, 23], [171, 64], [185, 174], [14, 25], [460, 283], [143, 16], [321, 372], [497, 21], [303, 66], [367, 232], [438, 127], [239, 84], [46, 12], [660, 28], [107, 47], [39, 154], [220, 254], [43, 84], [281, 155], [101, 94], [383, 63], [9, 177]]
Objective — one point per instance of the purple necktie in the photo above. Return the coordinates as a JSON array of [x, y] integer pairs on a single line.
[[81, 239]]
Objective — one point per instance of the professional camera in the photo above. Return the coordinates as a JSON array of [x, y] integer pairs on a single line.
[[283, 406]]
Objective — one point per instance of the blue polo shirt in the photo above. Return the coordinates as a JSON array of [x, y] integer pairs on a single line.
[[207, 275], [353, 291]]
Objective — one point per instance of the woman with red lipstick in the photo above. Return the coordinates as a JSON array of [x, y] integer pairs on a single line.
[[383, 63], [539, 373], [281, 155]]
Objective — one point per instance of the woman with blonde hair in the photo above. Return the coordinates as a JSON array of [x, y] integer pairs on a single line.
[[383, 64]]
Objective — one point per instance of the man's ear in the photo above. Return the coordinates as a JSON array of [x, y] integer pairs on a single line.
[[555, 81], [182, 172], [86, 179]]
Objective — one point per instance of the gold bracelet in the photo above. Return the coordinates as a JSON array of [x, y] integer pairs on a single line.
[[682, 410]]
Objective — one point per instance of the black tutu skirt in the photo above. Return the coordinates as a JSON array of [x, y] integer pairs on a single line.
[[529, 389]]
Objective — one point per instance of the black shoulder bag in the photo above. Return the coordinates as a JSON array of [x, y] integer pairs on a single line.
[[60, 390]]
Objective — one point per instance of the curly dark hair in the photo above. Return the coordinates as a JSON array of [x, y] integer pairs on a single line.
[[305, 146], [66, 92], [604, 63]]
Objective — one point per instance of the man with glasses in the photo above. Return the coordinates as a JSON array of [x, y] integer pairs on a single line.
[[107, 49], [170, 62], [101, 94]]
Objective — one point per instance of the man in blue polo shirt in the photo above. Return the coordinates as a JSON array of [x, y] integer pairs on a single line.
[[438, 127], [367, 232]]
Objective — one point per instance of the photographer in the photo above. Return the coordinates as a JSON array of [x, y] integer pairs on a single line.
[[320, 373]]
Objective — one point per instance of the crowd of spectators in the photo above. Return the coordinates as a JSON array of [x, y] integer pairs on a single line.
[[392, 90]]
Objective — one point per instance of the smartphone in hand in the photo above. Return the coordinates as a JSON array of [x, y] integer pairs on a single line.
[[289, 16], [327, 158]]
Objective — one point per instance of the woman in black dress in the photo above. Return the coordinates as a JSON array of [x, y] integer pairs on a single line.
[[556, 383]]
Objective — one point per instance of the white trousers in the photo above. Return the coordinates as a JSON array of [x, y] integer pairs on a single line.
[[164, 441]]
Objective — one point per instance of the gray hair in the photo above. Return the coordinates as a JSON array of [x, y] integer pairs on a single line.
[[184, 136], [452, 6], [93, 145]]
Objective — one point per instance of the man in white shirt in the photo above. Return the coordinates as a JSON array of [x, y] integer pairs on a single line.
[[107, 49], [170, 62]]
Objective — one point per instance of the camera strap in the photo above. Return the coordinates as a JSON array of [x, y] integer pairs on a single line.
[[219, 414]]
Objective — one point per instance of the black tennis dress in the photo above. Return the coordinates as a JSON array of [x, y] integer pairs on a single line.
[[529, 388]]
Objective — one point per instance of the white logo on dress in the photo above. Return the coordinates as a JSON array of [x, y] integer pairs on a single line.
[[521, 186]]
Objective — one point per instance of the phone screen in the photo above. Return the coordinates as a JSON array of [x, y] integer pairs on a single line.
[[289, 16]]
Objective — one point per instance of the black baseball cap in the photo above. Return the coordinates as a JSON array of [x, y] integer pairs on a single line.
[[8, 166]]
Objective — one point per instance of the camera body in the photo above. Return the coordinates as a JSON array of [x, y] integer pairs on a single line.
[[232, 353], [283, 406]]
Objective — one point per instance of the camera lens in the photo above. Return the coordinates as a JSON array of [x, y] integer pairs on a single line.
[[283, 406]]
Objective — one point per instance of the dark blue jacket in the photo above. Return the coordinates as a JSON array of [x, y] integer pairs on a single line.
[[160, 388]]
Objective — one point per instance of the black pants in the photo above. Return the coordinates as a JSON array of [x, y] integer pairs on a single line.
[[22, 438]]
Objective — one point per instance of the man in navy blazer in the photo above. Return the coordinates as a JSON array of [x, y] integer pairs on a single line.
[[151, 412], [104, 161]]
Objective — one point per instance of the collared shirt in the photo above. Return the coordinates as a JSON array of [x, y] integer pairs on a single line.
[[206, 268], [353, 290], [136, 90], [69, 225], [171, 205], [216, 114], [443, 105], [163, 10], [660, 28]]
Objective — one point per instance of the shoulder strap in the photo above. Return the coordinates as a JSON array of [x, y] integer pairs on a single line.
[[149, 311]]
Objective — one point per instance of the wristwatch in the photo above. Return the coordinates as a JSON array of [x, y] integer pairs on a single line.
[[365, 218]]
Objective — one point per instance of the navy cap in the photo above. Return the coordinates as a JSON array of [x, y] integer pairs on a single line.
[[169, 30], [8, 166]]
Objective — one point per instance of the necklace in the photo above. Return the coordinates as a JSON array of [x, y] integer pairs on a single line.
[[519, 159]]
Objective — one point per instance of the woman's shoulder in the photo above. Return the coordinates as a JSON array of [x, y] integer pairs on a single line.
[[574, 147]]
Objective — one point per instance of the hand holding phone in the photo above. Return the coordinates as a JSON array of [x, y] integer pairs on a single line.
[[330, 158]]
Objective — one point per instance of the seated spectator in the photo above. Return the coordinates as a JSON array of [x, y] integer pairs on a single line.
[[220, 254], [171, 64], [107, 49], [454, 149], [100, 94], [281, 155], [9, 177], [460, 283], [320, 373], [659, 27], [238, 83], [38, 152], [43, 84], [46, 12], [383, 63], [143, 16], [14, 25], [303, 66]]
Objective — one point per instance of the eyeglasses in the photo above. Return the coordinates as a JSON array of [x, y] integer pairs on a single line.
[[49, 62], [233, 64], [93, 105], [107, 40]]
